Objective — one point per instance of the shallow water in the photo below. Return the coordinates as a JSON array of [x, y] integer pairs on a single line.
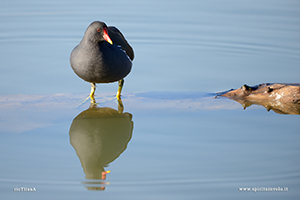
[[174, 140]]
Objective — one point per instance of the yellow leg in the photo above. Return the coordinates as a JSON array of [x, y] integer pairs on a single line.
[[120, 106], [121, 83], [93, 89]]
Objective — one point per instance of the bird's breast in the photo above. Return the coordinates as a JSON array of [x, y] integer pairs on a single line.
[[103, 63]]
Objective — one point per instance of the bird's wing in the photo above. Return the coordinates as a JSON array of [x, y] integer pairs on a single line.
[[118, 39]]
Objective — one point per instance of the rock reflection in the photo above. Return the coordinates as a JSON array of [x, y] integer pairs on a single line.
[[276, 106], [99, 135]]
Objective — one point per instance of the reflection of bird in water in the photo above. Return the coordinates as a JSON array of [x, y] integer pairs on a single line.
[[102, 56], [99, 136]]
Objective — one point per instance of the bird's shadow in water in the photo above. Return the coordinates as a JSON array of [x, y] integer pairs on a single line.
[[100, 135]]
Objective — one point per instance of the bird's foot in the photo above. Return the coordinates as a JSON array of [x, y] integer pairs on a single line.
[[93, 101], [118, 96], [93, 89]]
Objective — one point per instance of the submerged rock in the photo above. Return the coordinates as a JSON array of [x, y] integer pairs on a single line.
[[282, 98]]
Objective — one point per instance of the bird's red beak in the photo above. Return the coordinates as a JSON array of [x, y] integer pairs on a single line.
[[106, 37]]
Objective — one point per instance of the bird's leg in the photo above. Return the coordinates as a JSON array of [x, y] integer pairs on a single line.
[[120, 106], [121, 83], [93, 88]]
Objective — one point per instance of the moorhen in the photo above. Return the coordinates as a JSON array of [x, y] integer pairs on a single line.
[[102, 56]]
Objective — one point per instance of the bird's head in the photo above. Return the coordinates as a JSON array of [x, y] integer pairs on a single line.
[[97, 31]]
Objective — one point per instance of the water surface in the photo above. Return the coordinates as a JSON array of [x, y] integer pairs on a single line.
[[173, 140]]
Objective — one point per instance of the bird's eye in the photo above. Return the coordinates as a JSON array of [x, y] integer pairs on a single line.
[[98, 30]]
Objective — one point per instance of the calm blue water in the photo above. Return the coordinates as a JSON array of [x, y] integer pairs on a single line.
[[174, 140]]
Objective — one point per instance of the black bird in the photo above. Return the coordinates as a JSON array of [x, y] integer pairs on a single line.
[[102, 56]]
